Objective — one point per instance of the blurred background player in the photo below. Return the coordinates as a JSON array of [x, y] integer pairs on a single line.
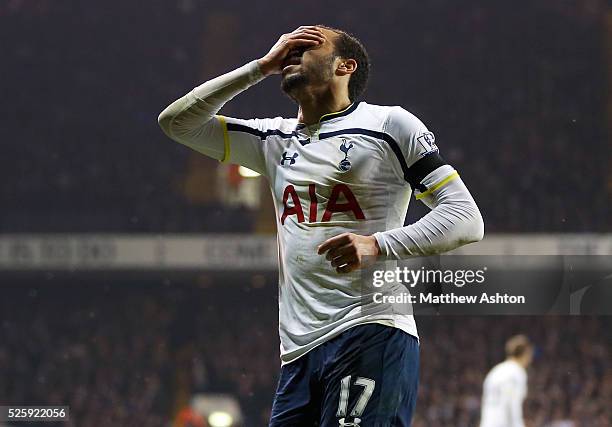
[[505, 386]]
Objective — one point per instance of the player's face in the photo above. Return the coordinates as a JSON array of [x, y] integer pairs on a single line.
[[313, 66]]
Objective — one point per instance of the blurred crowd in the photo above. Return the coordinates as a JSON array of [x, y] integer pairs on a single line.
[[131, 355], [513, 92], [105, 357]]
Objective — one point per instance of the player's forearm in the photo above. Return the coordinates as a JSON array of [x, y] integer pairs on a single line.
[[454, 221], [184, 120]]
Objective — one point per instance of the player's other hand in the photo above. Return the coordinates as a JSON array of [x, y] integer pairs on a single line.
[[301, 38], [348, 251]]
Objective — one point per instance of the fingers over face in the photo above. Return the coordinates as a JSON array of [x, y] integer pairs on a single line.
[[297, 42], [306, 36], [311, 30], [307, 27]]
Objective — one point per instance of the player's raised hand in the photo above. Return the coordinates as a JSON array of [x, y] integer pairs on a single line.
[[301, 38], [348, 251]]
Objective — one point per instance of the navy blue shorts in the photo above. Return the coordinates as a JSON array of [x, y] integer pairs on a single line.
[[365, 377]]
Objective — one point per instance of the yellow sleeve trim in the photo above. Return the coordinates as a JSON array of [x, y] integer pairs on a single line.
[[226, 140], [438, 185]]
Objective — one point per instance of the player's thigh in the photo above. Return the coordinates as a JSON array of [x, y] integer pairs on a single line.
[[297, 401], [373, 381]]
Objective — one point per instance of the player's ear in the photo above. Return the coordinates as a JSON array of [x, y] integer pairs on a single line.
[[346, 66]]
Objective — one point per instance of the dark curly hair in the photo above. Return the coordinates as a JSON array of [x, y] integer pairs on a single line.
[[349, 47]]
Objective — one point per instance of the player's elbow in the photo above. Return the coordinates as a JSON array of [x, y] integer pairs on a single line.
[[473, 231], [165, 120], [477, 227], [180, 124]]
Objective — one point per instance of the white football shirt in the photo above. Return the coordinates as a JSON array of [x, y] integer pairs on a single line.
[[348, 173], [504, 390]]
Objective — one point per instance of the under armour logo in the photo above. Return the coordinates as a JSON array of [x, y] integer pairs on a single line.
[[354, 423], [344, 164], [291, 159]]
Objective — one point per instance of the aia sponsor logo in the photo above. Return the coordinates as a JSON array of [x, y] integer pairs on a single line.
[[292, 204]]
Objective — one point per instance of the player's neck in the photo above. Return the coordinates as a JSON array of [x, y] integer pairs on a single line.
[[314, 105], [518, 361]]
